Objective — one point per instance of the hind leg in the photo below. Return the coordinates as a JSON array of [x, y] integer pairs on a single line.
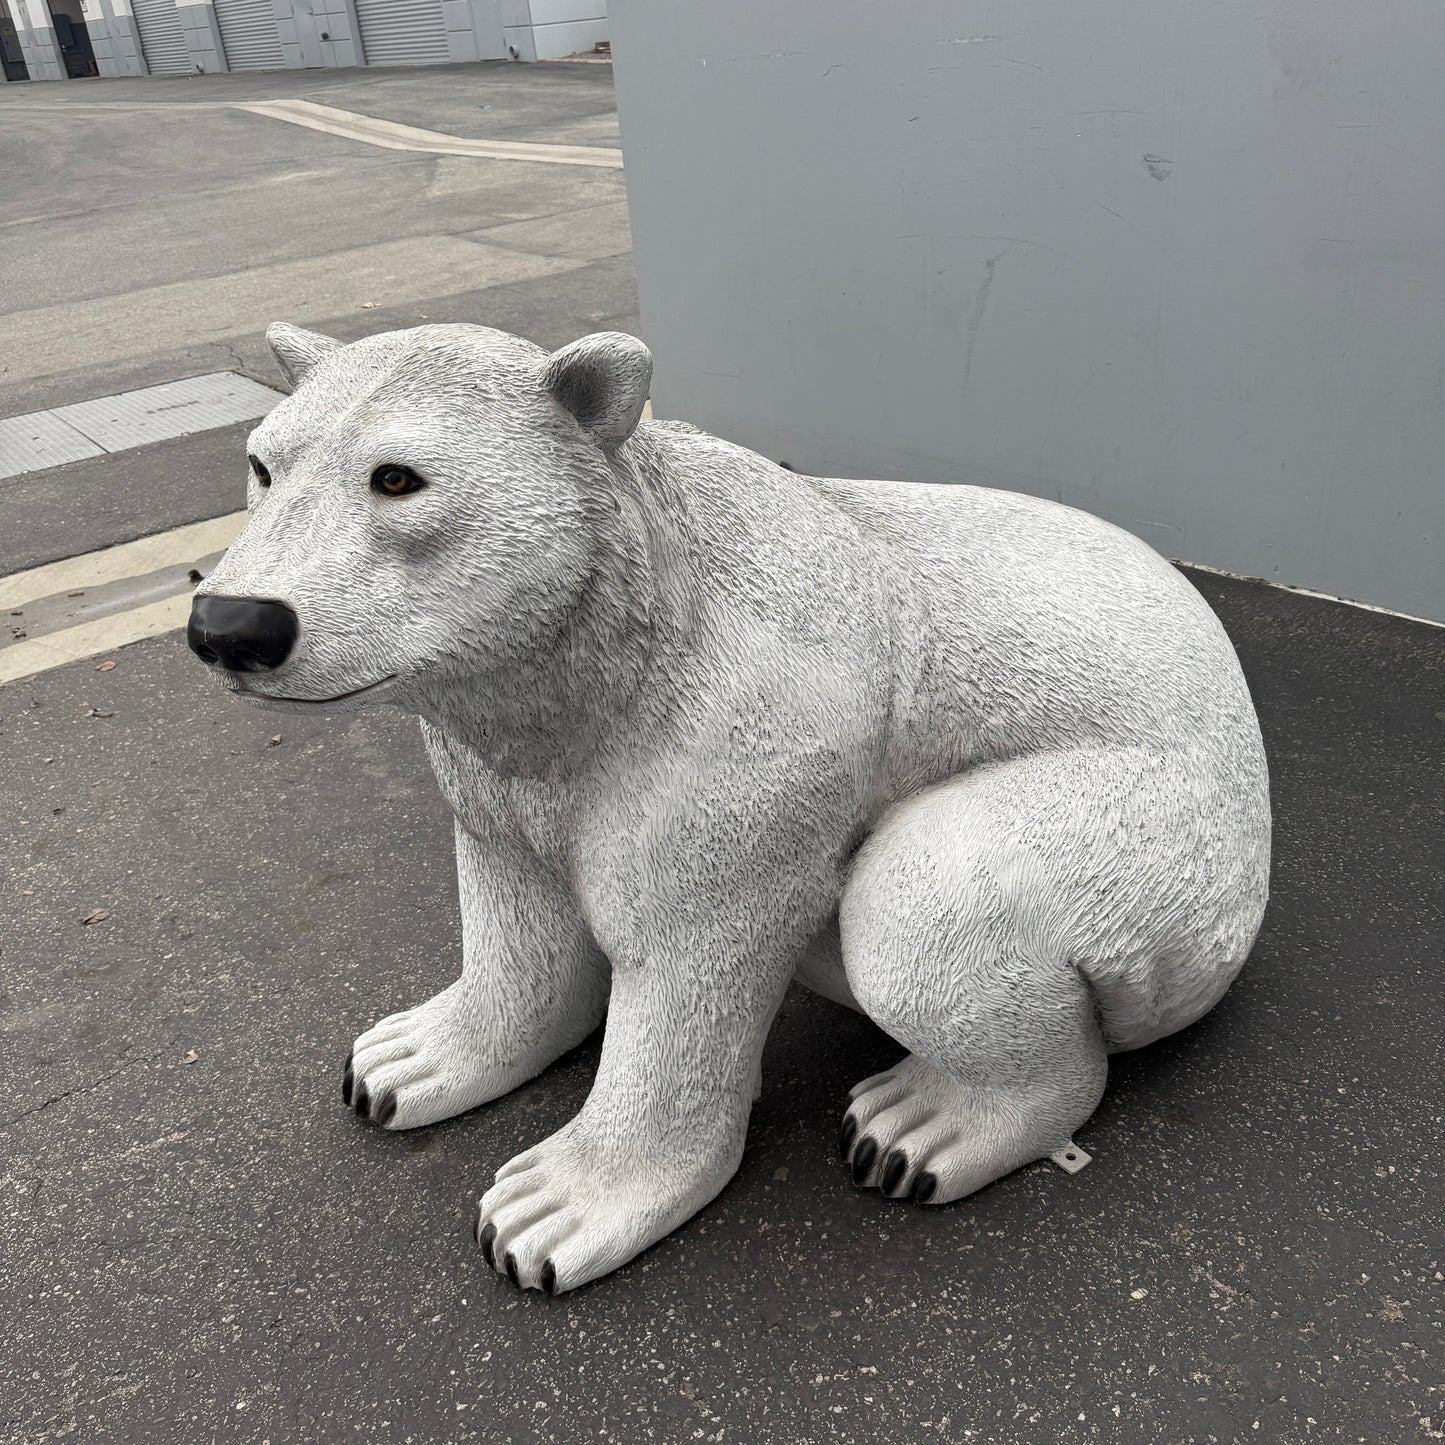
[[954, 943]]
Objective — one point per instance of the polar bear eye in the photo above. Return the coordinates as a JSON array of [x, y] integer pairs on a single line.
[[395, 481], [262, 475]]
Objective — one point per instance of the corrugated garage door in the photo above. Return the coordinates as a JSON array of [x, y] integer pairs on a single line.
[[402, 32], [162, 40], [248, 31]]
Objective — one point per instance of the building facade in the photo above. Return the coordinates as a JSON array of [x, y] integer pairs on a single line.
[[64, 39]]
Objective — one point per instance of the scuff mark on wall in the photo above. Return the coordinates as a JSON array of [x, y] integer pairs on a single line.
[[1159, 167], [980, 300], [771, 55]]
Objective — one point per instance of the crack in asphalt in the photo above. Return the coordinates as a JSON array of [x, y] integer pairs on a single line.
[[240, 363], [69, 1094]]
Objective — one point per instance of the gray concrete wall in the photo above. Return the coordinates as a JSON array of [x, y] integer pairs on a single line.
[[12, 54], [36, 33], [1178, 264], [114, 38], [546, 29], [319, 33], [203, 35], [326, 33], [474, 30]]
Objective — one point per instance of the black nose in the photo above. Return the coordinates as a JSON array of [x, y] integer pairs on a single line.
[[241, 633]]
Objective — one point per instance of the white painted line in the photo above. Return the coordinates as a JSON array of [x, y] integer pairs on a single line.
[[40, 654], [113, 564], [69, 609], [391, 135]]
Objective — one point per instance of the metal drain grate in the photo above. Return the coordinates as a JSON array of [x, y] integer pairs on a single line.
[[129, 419], [40, 439]]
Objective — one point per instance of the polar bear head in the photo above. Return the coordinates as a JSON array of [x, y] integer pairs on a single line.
[[421, 505]]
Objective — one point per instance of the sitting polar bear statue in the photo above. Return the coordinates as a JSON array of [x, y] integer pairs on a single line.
[[980, 766]]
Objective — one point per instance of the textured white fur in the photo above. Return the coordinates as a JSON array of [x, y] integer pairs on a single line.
[[980, 765]]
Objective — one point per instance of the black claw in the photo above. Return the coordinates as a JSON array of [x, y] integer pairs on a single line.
[[485, 1238], [924, 1187], [475, 1221], [363, 1102], [895, 1166], [510, 1264], [847, 1134], [350, 1054], [347, 1080], [386, 1110], [863, 1159], [549, 1276]]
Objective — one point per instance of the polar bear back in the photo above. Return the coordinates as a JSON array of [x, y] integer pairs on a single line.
[[1015, 623]]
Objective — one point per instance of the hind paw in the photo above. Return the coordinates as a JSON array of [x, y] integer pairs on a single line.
[[914, 1132]]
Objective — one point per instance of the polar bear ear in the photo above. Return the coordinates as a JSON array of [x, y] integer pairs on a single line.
[[603, 380], [297, 351]]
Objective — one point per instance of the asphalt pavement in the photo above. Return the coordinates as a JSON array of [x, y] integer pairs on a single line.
[[203, 905]]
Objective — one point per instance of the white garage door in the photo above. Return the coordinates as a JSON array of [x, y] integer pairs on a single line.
[[162, 40], [248, 31], [402, 32]]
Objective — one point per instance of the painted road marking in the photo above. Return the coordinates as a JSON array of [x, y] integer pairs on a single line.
[[130, 559], [129, 419], [123, 582], [391, 135], [89, 604], [369, 129], [40, 654]]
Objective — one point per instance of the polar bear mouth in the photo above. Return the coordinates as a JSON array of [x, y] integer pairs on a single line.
[[315, 701]]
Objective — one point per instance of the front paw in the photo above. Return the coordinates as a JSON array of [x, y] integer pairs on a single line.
[[423, 1064], [579, 1205]]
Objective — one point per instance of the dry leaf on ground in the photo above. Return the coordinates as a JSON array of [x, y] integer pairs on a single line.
[[96, 915]]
